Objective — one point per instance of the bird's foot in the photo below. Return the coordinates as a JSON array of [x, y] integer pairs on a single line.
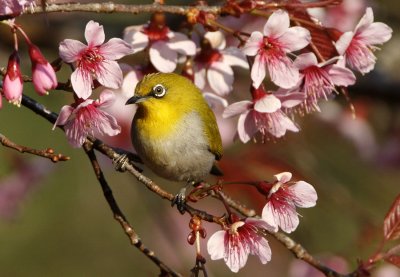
[[120, 162], [180, 200]]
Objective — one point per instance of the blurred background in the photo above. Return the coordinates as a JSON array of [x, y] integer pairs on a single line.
[[54, 220]]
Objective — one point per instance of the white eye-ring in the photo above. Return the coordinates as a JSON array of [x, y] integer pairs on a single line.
[[159, 91]]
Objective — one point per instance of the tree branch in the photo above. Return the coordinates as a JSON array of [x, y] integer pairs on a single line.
[[46, 153], [120, 217]]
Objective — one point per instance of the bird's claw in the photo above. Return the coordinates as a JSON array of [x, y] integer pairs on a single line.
[[120, 162], [180, 201]]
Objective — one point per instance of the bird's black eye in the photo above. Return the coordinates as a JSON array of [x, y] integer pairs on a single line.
[[159, 91]]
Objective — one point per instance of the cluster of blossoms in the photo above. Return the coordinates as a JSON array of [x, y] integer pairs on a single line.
[[43, 74], [245, 236]]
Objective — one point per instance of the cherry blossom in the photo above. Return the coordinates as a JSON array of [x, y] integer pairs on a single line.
[[43, 75], [283, 197], [213, 64], [12, 82], [163, 44], [357, 47], [318, 80], [95, 60], [263, 114], [86, 118], [271, 47], [14, 7], [241, 238]]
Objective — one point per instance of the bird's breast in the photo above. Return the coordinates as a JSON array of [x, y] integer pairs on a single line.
[[174, 148]]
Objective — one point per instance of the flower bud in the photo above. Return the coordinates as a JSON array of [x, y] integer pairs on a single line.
[[12, 82], [43, 74]]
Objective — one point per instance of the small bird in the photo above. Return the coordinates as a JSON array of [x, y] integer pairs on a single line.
[[174, 130]]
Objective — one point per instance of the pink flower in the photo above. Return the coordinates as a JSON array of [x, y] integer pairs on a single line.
[[263, 115], [357, 47], [12, 82], [213, 64], [163, 44], [318, 80], [283, 197], [43, 75], [240, 239], [270, 50], [86, 118], [14, 7], [95, 60]]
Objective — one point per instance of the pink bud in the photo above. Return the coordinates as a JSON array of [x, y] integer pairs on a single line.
[[12, 82], [43, 74]]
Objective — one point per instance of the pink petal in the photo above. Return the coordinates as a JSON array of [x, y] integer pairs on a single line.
[[109, 125], [281, 124], [110, 74], [283, 73], [290, 99], [237, 108], [258, 71], [115, 49], [268, 215], [262, 250], [295, 38], [215, 101], [216, 39], [277, 24], [134, 36], [365, 21], [305, 194], [341, 76], [267, 104], [200, 75], [262, 224], [216, 246], [283, 177], [288, 220], [70, 50], [220, 78], [234, 57], [63, 116], [181, 44], [107, 98], [305, 60], [82, 83], [376, 33], [94, 33], [252, 45], [162, 57], [343, 42], [246, 126], [237, 258], [130, 81]]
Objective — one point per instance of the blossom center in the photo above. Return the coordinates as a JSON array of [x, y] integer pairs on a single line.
[[156, 32], [90, 59]]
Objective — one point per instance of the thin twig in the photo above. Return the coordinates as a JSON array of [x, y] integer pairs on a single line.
[[46, 153], [120, 217]]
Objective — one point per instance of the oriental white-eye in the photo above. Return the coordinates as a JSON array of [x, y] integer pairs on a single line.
[[174, 130]]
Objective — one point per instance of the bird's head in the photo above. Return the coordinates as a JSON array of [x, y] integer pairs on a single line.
[[160, 89]]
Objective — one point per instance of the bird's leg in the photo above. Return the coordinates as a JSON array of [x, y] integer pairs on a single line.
[[180, 198]]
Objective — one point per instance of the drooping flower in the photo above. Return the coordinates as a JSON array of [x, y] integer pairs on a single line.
[[271, 47], [213, 64], [163, 44], [283, 196], [357, 47], [241, 238], [263, 114], [12, 82], [95, 60], [87, 118], [318, 80], [43, 75]]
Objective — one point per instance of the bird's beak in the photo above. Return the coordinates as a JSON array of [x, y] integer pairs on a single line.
[[135, 99]]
